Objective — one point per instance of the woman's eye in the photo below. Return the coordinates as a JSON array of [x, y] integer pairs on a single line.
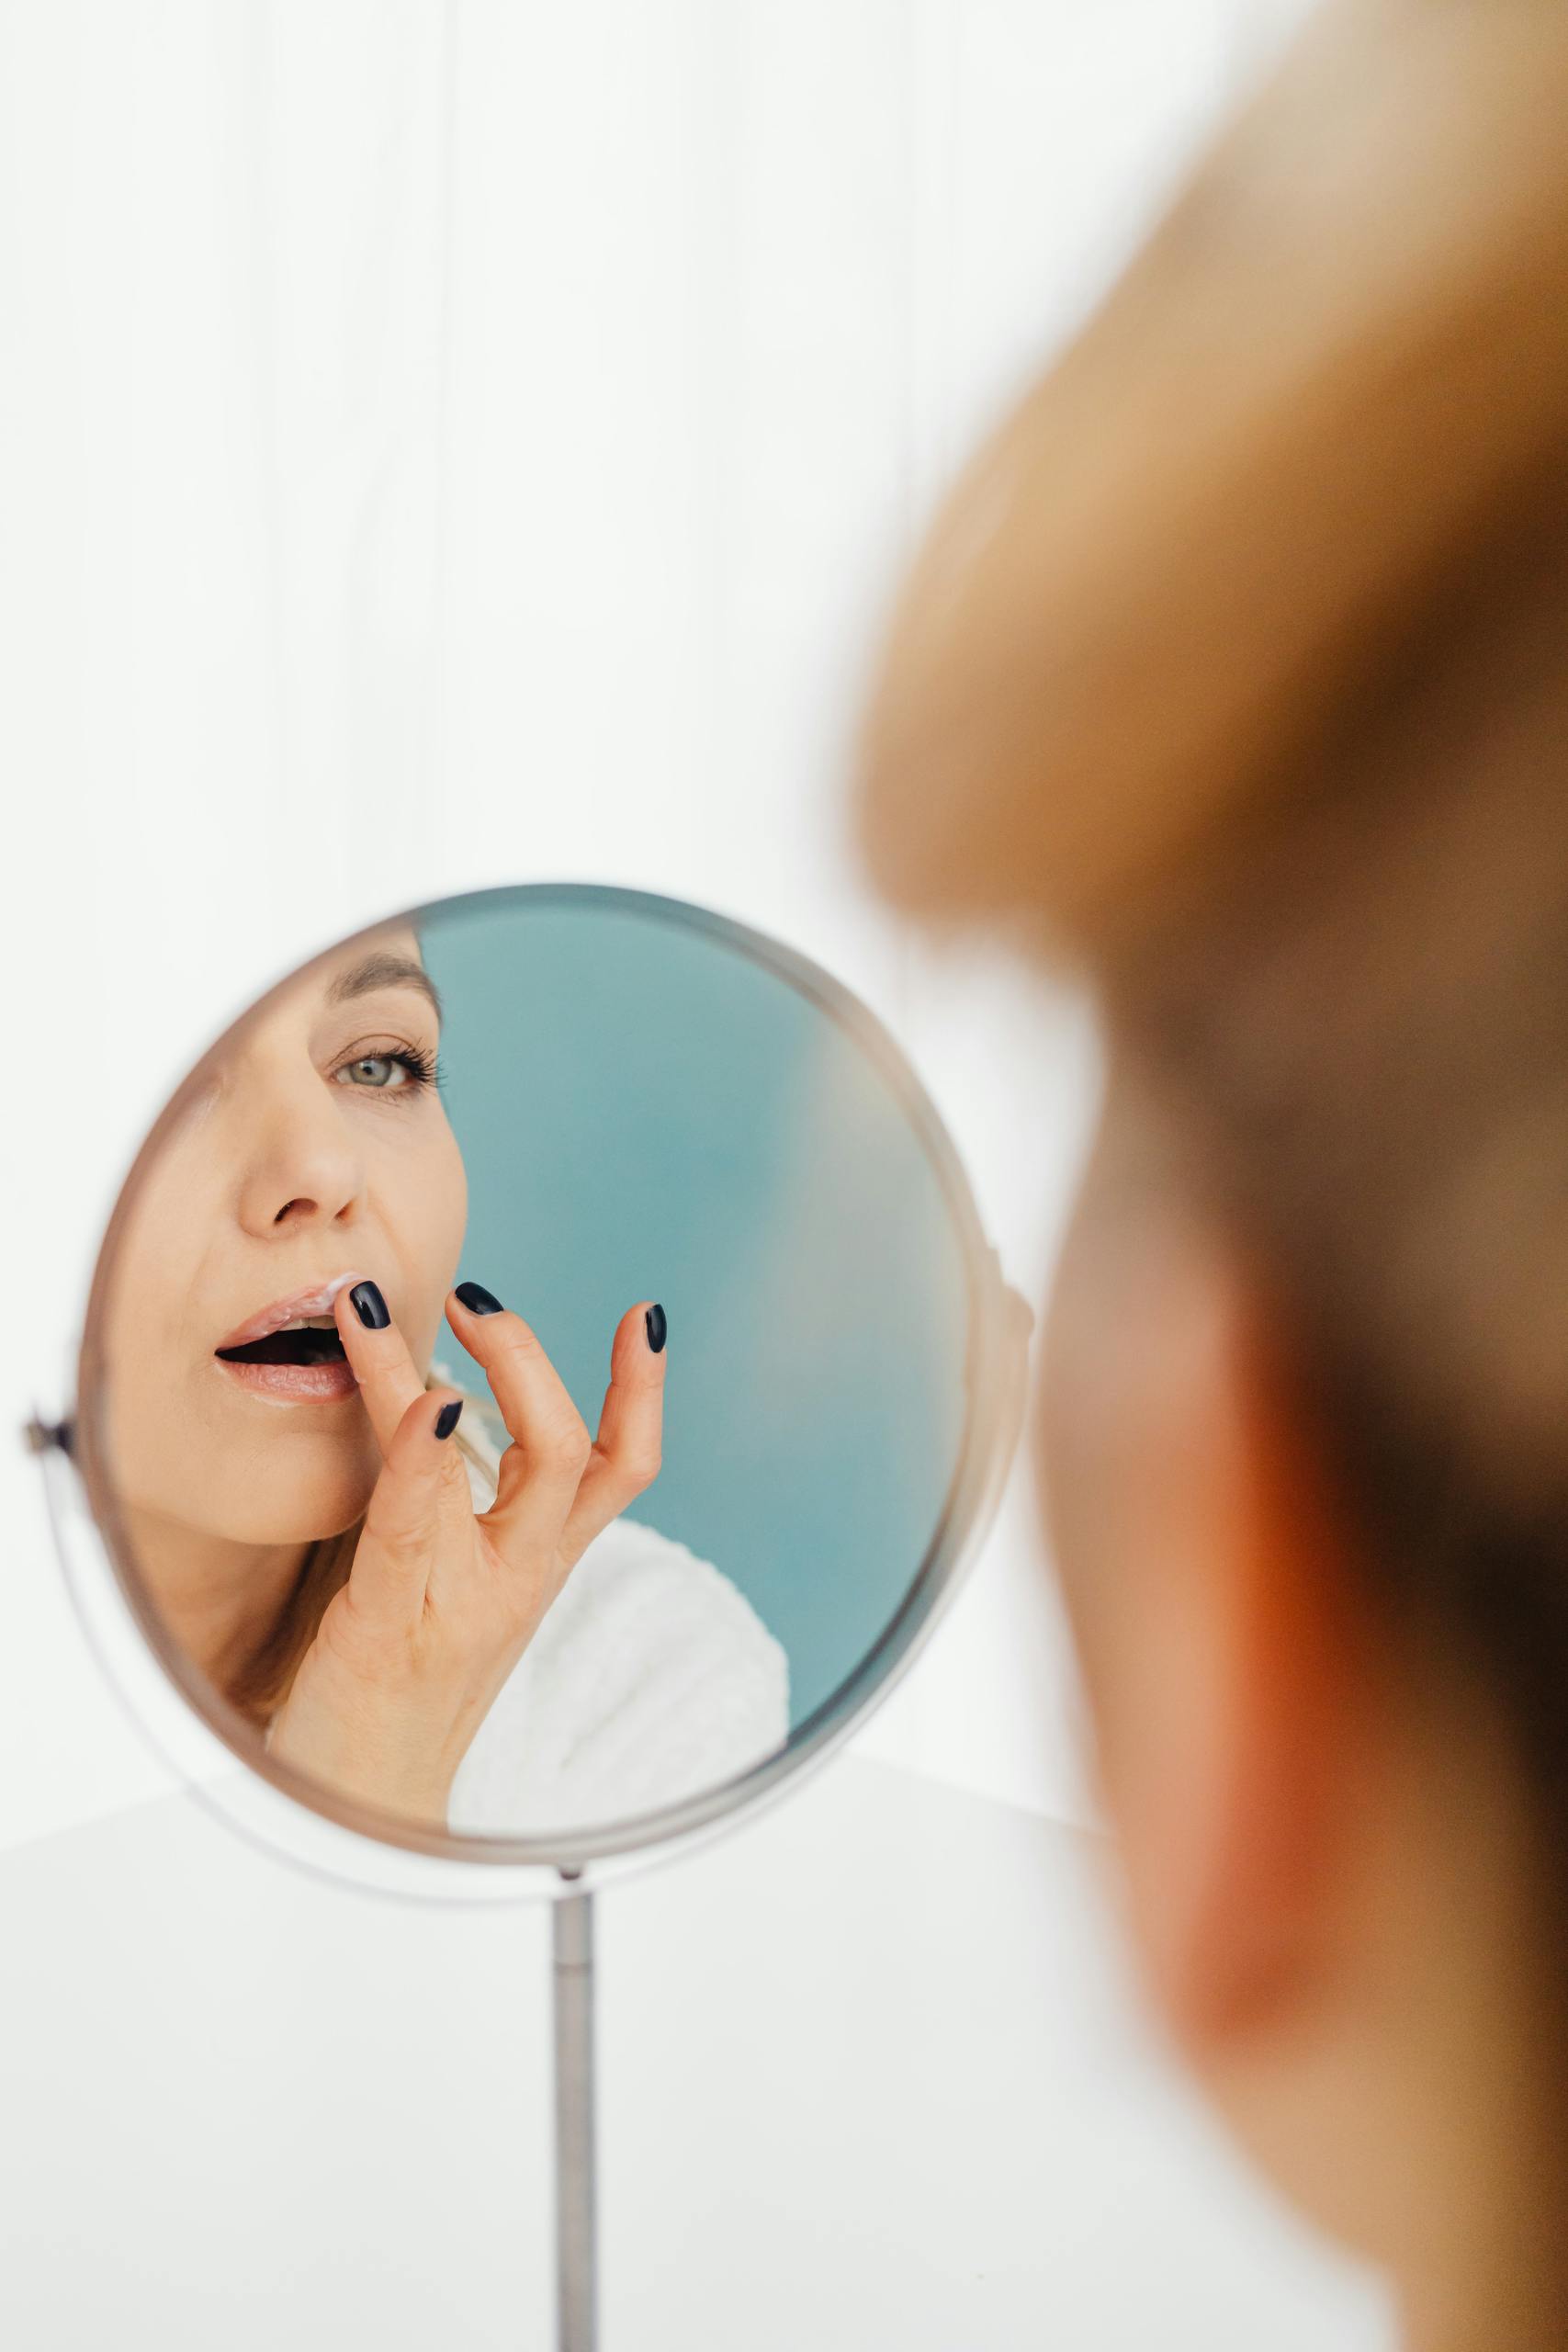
[[379, 1070]]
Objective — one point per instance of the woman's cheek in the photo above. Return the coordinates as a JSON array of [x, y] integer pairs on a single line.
[[447, 1192], [440, 1207], [427, 1192]]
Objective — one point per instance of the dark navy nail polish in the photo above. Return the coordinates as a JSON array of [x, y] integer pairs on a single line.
[[658, 1328], [447, 1420], [371, 1306], [477, 1300]]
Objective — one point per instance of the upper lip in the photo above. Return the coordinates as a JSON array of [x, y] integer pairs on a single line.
[[317, 1300]]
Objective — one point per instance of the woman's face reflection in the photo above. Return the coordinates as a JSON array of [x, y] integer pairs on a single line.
[[316, 1150]]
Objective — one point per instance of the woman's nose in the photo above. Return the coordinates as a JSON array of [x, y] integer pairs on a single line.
[[300, 1165]]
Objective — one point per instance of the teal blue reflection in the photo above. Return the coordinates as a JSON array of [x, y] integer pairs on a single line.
[[645, 1112]]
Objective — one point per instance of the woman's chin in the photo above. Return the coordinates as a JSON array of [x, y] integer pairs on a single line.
[[169, 1529], [298, 1511], [327, 1514], [303, 1492]]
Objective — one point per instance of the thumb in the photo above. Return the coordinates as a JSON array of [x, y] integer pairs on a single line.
[[397, 1547]]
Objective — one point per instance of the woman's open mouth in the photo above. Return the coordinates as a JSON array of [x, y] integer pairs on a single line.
[[302, 1360]]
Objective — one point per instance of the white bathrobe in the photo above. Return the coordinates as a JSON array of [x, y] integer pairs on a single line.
[[651, 1678]]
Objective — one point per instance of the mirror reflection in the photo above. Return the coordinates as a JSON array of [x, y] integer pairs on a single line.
[[534, 1361]]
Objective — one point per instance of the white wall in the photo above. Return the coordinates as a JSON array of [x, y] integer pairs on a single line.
[[449, 445]]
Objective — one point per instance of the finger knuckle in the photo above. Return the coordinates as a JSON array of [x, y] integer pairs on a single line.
[[396, 1521], [641, 1466], [566, 1446], [512, 1342]]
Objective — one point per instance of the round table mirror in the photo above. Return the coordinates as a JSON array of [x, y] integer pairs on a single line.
[[543, 1372]]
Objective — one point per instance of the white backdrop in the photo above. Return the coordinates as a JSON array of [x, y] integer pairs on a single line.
[[449, 444]]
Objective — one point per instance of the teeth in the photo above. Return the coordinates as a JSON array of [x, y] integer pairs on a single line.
[[309, 1323]]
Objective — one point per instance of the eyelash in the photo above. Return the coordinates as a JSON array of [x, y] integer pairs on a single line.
[[423, 1068]]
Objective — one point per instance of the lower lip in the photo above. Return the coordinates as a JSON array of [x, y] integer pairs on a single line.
[[294, 1384]]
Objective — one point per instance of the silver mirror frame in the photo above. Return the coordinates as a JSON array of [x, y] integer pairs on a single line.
[[201, 1738]]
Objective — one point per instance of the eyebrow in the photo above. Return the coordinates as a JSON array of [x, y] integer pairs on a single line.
[[384, 971]]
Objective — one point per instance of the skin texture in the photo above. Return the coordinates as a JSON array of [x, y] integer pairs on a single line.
[[307, 1153]]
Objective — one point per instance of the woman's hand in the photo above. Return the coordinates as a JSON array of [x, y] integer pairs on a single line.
[[440, 1603]]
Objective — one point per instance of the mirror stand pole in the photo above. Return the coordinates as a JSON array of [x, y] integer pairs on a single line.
[[576, 2182]]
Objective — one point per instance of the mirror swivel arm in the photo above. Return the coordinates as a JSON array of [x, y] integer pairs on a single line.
[[42, 1437]]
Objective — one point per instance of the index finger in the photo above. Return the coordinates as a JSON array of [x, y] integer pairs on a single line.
[[378, 1356]]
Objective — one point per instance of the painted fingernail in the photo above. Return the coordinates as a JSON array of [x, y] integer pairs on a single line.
[[477, 1300], [658, 1328], [371, 1306], [447, 1420]]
